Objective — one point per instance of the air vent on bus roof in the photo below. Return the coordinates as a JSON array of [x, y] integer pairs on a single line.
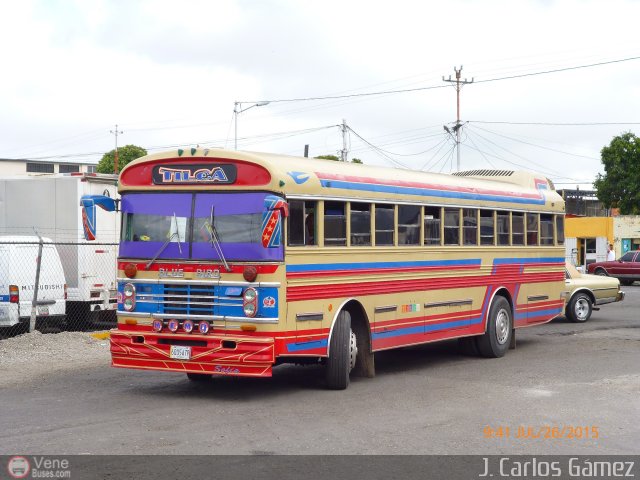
[[485, 173]]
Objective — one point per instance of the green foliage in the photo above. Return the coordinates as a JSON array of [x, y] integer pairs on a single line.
[[126, 154], [619, 187], [337, 159]]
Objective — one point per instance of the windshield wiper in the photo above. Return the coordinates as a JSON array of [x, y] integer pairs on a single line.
[[162, 248], [215, 241]]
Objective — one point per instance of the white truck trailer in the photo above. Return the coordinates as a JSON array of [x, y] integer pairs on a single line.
[[49, 205]]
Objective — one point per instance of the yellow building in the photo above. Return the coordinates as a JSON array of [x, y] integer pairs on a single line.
[[587, 239]]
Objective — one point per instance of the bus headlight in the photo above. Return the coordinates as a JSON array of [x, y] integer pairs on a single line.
[[129, 303], [250, 302], [129, 290]]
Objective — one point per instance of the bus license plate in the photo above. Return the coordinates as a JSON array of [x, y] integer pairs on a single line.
[[180, 353], [43, 310]]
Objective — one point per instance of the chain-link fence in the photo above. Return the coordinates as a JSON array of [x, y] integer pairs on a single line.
[[53, 286]]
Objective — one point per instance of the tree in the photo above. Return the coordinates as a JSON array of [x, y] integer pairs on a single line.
[[125, 155], [337, 159], [619, 187]]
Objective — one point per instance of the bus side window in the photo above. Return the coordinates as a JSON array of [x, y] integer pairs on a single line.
[[335, 223], [385, 227], [470, 226], [432, 221], [504, 227], [301, 223], [546, 229], [487, 227], [532, 229], [408, 225], [452, 226], [360, 224], [560, 229], [517, 222]]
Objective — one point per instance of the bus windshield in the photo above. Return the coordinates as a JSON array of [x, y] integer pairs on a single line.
[[195, 226]]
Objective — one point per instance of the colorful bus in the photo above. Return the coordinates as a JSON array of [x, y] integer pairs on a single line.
[[231, 263]]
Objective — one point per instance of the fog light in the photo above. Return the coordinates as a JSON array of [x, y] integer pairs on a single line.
[[173, 325], [157, 325], [187, 326], [203, 327]]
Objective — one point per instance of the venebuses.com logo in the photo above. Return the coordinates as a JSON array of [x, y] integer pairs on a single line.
[[38, 467]]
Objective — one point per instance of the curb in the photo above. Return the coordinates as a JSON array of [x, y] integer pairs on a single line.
[[101, 335]]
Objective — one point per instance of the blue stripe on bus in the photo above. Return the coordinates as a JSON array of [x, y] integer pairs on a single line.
[[382, 265], [538, 313], [425, 192], [296, 347], [512, 261], [426, 328]]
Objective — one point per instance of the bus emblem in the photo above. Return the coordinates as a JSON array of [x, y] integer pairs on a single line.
[[193, 174], [269, 302]]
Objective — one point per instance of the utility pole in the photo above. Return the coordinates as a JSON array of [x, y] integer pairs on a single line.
[[344, 151], [458, 125], [116, 132]]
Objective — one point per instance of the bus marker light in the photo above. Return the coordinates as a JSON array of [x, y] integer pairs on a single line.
[[131, 321], [203, 327], [173, 325], [187, 326], [250, 273], [248, 328], [130, 270], [330, 307], [157, 325]]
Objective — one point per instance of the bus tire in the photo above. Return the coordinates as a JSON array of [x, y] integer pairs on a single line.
[[579, 308], [497, 337], [199, 377], [343, 351]]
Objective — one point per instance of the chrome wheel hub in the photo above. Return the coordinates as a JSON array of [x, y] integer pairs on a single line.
[[353, 350], [502, 326]]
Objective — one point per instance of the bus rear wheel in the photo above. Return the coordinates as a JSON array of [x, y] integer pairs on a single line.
[[497, 337], [343, 352]]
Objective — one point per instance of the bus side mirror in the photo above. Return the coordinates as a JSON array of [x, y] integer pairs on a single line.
[[88, 204]]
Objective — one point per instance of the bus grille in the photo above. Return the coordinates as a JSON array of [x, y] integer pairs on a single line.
[[192, 299]]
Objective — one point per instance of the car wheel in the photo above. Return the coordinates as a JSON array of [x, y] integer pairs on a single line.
[[343, 352], [580, 308], [497, 338], [602, 272], [626, 283]]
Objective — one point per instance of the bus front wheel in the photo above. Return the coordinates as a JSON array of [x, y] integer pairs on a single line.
[[497, 337], [343, 351]]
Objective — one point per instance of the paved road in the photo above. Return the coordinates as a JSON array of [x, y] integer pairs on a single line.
[[424, 400]]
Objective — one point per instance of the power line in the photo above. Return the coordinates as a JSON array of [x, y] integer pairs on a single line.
[[433, 87], [556, 124], [534, 145]]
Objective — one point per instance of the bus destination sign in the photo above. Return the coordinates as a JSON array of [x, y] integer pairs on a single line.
[[194, 174]]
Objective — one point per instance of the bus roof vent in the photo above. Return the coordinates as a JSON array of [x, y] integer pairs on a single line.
[[485, 173]]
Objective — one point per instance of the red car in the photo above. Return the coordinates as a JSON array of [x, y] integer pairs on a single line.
[[626, 268]]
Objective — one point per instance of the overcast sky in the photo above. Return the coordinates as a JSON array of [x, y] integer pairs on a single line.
[[168, 73]]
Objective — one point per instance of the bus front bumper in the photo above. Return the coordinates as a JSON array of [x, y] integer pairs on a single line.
[[206, 354]]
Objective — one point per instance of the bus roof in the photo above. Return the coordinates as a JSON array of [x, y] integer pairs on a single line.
[[298, 177]]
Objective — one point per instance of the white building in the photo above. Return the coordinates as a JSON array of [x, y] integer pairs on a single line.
[[13, 166]]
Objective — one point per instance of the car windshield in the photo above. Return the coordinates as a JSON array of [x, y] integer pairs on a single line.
[[198, 226]]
